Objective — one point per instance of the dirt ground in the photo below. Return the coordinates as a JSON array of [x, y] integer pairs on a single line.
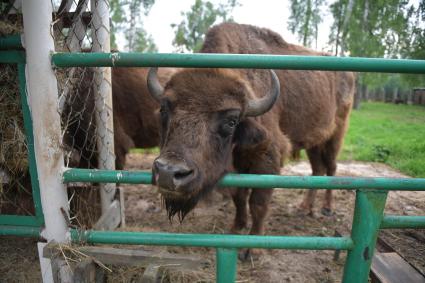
[[145, 213]]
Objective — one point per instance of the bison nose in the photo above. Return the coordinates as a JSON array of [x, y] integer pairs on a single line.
[[172, 174]]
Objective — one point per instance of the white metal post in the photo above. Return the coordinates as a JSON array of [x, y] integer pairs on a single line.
[[43, 100], [103, 92]]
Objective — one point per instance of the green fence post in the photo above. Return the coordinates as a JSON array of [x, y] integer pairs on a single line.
[[29, 133], [368, 214], [226, 265]]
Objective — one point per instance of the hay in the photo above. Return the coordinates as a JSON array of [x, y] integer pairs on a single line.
[[13, 147]]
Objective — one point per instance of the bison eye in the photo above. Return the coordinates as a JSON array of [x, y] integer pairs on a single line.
[[228, 127], [231, 123]]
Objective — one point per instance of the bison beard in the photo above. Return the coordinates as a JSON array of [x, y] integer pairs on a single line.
[[182, 207]]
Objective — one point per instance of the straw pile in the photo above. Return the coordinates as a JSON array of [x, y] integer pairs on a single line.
[[13, 148]]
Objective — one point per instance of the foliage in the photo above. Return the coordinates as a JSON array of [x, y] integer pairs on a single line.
[[388, 133], [127, 18], [378, 28], [415, 41], [202, 15], [305, 17]]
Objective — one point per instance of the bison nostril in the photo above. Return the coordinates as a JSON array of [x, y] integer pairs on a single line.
[[182, 174], [171, 173]]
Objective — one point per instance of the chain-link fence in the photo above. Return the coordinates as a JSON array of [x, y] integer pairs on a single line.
[[84, 105], [85, 95]]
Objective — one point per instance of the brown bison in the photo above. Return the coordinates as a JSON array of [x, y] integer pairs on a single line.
[[215, 119], [135, 121]]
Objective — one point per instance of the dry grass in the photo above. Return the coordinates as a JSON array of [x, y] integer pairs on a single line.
[[13, 148]]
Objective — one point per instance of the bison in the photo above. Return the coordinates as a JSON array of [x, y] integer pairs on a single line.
[[215, 119]]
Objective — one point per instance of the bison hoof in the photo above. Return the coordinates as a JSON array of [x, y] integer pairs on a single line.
[[304, 212], [249, 254], [326, 211]]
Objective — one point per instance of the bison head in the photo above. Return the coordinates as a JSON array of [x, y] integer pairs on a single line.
[[204, 115]]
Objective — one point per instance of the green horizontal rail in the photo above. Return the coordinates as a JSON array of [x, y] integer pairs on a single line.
[[255, 61], [212, 240], [12, 57], [20, 220], [11, 42], [402, 222], [21, 231], [255, 181]]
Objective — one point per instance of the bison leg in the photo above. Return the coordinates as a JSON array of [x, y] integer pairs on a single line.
[[329, 155], [259, 206], [266, 162], [319, 169], [240, 197], [123, 143]]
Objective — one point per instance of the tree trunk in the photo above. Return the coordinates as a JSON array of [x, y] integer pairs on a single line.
[[395, 95], [347, 17], [409, 99], [357, 97], [365, 93], [307, 23]]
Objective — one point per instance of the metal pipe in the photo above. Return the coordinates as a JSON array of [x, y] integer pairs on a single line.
[[12, 57], [11, 42], [21, 231], [256, 181], [19, 220], [226, 265], [255, 61], [212, 240], [103, 101], [402, 222], [368, 213], [42, 97]]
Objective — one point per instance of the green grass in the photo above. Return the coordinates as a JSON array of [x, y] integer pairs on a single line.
[[388, 133], [153, 150]]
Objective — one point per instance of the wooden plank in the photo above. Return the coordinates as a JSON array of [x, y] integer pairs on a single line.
[[133, 257], [88, 272], [391, 268], [137, 257]]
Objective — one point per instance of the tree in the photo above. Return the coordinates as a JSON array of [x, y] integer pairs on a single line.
[[137, 39], [202, 15], [414, 47], [306, 15], [366, 28]]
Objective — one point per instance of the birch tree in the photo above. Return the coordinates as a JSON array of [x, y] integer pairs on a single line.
[[306, 15]]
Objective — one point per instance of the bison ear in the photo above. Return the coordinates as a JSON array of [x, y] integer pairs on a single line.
[[249, 133]]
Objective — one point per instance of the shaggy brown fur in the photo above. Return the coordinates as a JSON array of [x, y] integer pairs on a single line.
[[134, 110], [311, 113]]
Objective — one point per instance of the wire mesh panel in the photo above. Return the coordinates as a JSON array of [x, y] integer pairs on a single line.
[[85, 100], [15, 184]]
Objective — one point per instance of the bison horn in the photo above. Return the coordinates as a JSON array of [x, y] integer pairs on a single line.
[[154, 86], [259, 106]]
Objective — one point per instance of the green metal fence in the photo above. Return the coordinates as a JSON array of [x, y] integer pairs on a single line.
[[371, 193], [18, 57]]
